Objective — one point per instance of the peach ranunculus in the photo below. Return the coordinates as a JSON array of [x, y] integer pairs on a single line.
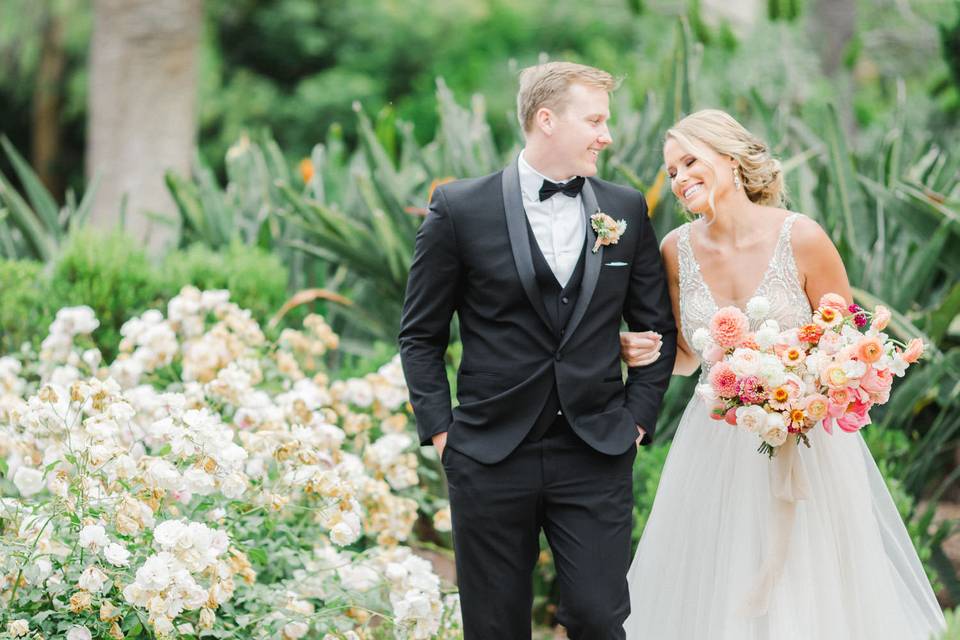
[[856, 417], [834, 376], [839, 400], [881, 318], [728, 327], [869, 349], [723, 380], [877, 383], [833, 301], [914, 351], [816, 406]]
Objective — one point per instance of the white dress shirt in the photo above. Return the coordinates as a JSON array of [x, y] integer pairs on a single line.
[[557, 222]]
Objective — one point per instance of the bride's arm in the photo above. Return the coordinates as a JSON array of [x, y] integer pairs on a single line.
[[818, 263], [686, 362], [640, 349]]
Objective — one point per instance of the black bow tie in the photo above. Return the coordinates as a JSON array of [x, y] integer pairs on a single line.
[[570, 188]]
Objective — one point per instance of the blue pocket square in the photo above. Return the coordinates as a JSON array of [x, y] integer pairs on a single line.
[[615, 264]]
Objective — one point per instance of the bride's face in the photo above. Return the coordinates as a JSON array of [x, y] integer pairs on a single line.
[[694, 177]]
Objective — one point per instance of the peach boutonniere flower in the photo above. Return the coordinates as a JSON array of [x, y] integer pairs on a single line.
[[607, 229]]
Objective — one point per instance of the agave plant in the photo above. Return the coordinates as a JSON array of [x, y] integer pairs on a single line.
[[35, 227]]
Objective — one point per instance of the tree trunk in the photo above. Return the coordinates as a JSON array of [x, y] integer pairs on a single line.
[[142, 116], [832, 24], [47, 94]]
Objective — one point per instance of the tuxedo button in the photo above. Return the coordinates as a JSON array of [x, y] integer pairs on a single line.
[[565, 300], [558, 356]]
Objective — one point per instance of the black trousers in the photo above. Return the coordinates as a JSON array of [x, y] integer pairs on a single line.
[[583, 501]]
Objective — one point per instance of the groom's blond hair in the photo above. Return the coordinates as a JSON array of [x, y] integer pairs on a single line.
[[545, 85]]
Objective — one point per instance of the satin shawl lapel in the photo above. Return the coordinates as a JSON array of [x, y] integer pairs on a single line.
[[520, 238]]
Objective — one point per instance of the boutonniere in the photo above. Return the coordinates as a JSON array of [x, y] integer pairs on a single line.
[[607, 229]]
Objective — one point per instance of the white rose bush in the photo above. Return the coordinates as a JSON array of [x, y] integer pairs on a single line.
[[209, 482]]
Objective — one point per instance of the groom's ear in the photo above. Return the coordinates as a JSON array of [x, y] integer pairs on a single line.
[[545, 120]]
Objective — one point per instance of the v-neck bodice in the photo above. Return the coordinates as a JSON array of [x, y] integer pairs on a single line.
[[780, 284]]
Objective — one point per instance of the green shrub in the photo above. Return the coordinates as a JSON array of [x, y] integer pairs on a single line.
[[109, 273], [257, 280], [25, 310]]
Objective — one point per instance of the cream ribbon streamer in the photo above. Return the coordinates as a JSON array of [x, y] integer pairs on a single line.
[[789, 484]]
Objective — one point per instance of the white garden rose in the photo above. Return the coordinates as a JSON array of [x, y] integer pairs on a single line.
[[17, 628], [116, 555], [28, 481], [93, 537], [775, 430], [92, 579], [79, 633], [752, 418], [745, 362], [295, 630]]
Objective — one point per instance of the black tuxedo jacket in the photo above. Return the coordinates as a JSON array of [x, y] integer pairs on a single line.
[[473, 257]]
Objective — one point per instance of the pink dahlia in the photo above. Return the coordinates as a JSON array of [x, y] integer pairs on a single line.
[[723, 380], [728, 327]]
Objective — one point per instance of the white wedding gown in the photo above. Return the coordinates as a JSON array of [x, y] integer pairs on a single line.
[[851, 572]]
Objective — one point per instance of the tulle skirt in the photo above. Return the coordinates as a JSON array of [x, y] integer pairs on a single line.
[[850, 572]]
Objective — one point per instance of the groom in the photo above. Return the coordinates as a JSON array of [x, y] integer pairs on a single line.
[[543, 435]]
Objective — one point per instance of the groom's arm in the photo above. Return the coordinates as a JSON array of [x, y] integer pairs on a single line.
[[432, 291], [647, 308]]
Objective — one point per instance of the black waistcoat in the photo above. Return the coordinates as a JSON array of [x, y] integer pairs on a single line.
[[559, 303]]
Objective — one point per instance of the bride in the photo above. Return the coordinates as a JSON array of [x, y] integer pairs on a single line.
[[723, 555]]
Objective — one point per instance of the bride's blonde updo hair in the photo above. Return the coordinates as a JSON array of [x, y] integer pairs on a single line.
[[760, 173]]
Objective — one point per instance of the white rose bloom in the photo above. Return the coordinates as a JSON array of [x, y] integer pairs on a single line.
[[79, 633], [701, 337], [751, 418], [772, 370], [18, 628], [38, 571], [758, 308], [93, 537], [92, 579], [116, 555], [775, 430], [745, 362], [295, 630], [28, 481], [358, 577]]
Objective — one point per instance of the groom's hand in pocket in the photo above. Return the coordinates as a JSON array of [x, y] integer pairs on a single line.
[[639, 349], [642, 432], [440, 442]]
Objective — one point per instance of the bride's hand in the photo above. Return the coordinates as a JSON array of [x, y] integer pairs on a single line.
[[639, 349]]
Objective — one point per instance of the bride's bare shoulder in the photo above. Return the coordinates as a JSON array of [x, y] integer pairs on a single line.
[[807, 234], [669, 250]]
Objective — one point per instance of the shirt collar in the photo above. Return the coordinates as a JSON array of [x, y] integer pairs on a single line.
[[531, 180]]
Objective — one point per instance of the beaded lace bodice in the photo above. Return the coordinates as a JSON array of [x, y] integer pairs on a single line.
[[780, 284]]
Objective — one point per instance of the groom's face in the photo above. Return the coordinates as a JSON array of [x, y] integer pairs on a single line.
[[580, 132]]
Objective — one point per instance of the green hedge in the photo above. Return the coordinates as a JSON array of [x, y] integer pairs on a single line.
[[112, 275]]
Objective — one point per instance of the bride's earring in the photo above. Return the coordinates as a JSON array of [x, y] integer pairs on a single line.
[[736, 179]]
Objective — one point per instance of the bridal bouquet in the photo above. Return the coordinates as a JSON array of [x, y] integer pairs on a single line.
[[780, 383]]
